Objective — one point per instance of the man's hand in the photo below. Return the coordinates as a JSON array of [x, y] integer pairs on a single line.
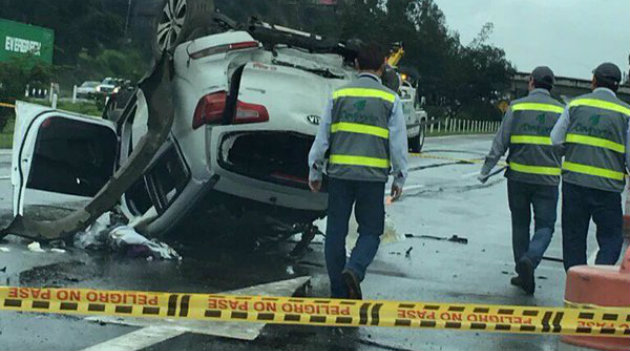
[[396, 192], [315, 185], [483, 178]]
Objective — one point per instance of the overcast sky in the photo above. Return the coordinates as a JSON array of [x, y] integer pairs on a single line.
[[570, 36]]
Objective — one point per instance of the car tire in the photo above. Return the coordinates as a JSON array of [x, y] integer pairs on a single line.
[[416, 143], [176, 21]]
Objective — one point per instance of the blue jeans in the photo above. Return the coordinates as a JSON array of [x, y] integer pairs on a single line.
[[579, 205], [370, 214], [544, 199]]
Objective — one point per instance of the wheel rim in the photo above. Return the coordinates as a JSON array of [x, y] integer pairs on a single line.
[[171, 23]]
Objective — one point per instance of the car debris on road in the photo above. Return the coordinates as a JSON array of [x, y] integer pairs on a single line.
[[454, 238], [109, 233]]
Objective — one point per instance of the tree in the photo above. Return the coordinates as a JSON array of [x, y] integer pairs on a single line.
[[18, 72], [78, 24], [15, 75]]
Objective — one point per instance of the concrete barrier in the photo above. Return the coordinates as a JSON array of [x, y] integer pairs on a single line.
[[602, 286]]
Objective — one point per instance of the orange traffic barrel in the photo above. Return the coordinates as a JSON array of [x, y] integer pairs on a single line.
[[603, 286]]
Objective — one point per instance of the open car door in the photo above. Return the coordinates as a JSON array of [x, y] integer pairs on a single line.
[[60, 160], [81, 184]]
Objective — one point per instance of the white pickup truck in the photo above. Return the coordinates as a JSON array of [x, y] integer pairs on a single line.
[[415, 117]]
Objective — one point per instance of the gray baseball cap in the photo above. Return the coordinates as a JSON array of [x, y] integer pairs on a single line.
[[544, 75], [608, 72]]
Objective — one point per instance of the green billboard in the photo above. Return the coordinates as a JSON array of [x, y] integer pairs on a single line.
[[19, 39]]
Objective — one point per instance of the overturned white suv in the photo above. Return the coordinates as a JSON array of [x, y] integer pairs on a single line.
[[214, 142]]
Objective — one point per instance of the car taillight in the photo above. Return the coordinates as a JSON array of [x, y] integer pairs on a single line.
[[250, 113], [223, 49], [210, 109]]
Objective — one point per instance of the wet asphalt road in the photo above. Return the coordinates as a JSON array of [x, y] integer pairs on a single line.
[[442, 199]]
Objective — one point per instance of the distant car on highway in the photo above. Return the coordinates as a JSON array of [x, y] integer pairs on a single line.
[[88, 89], [108, 85]]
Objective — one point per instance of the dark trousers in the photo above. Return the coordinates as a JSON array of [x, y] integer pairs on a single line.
[[370, 214], [579, 205], [544, 200]]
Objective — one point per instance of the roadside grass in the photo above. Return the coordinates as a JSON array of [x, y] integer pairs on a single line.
[[6, 135], [82, 107]]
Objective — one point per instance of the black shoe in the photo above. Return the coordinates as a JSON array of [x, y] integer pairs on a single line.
[[525, 269], [353, 285], [516, 281]]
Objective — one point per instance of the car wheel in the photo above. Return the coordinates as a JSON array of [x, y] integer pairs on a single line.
[[416, 143], [176, 20]]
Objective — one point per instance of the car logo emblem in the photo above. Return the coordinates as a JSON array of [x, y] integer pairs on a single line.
[[313, 119]]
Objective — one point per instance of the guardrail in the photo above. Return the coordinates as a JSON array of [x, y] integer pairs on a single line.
[[460, 126]]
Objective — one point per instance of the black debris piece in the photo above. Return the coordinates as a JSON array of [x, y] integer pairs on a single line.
[[455, 238]]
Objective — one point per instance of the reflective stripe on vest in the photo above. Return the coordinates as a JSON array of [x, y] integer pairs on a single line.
[[530, 139], [350, 160], [553, 171], [593, 171], [597, 142], [365, 93], [600, 104], [534, 106], [360, 128]]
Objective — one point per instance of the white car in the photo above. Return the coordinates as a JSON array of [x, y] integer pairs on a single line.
[[245, 111], [107, 86], [87, 89]]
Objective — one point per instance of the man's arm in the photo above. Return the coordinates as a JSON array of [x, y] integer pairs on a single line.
[[499, 145], [559, 131], [398, 147], [628, 147], [320, 145]]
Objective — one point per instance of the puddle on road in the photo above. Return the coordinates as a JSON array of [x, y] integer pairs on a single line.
[[57, 275], [201, 270]]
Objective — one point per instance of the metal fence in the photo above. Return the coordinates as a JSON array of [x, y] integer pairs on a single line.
[[461, 126]]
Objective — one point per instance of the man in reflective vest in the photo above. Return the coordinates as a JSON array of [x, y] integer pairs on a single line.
[[364, 129], [594, 131], [533, 173]]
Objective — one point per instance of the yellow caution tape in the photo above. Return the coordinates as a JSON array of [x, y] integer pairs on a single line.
[[3, 104], [587, 306], [319, 312]]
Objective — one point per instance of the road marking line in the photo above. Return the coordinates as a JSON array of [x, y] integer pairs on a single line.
[[138, 340], [159, 330], [5, 177]]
